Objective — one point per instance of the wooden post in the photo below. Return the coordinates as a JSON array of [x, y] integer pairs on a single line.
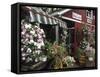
[[57, 33]]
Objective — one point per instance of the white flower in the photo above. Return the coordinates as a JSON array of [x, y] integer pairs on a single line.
[[44, 35], [65, 32], [22, 40], [68, 57], [39, 44], [40, 40], [35, 35], [90, 51], [39, 36], [90, 58], [41, 31], [43, 58], [22, 22], [23, 58], [22, 27], [23, 54], [36, 60], [31, 41], [71, 59], [38, 51], [32, 32], [35, 43], [28, 59], [31, 37], [26, 41], [28, 26], [36, 27], [88, 47], [22, 49], [23, 32], [33, 52], [29, 50], [27, 35]]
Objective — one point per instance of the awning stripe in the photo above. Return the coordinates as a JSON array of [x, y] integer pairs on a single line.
[[38, 18], [31, 16], [41, 17], [54, 21], [45, 20], [50, 20]]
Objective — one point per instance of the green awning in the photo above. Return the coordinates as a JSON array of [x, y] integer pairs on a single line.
[[35, 15]]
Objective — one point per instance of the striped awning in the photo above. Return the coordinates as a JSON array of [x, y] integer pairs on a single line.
[[37, 16]]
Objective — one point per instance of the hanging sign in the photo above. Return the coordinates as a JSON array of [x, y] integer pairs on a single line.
[[76, 16]]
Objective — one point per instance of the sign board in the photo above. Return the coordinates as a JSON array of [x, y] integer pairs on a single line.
[[76, 16]]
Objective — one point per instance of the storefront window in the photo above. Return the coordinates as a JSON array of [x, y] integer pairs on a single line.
[[49, 31]]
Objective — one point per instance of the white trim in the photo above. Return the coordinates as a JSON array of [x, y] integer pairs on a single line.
[[67, 18], [55, 13], [64, 11], [60, 12]]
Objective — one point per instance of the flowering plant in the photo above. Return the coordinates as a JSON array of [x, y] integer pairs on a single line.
[[83, 44], [90, 52], [85, 30], [69, 60], [32, 42]]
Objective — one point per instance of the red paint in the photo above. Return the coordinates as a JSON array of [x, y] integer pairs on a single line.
[[78, 26]]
